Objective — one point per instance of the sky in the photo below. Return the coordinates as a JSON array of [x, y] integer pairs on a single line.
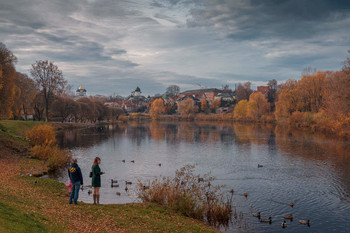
[[111, 46]]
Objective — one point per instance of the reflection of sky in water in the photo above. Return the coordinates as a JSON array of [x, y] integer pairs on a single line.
[[310, 171]]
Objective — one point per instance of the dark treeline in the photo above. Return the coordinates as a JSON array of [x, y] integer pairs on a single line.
[[45, 96]]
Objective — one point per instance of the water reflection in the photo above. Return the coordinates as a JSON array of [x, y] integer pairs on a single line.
[[310, 170]]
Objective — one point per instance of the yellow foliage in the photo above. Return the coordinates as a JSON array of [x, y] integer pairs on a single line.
[[157, 108], [41, 135], [54, 156], [258, 106], [187, 108], [123, 118], [241, 109]]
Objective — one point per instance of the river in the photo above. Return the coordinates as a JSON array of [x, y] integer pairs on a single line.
[[312, 171]]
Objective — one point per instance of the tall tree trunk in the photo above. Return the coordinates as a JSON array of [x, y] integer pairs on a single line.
[[25, 112], [47, 108]]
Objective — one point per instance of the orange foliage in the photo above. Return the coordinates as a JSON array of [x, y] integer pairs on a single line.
[[215, 105], [204, 105]]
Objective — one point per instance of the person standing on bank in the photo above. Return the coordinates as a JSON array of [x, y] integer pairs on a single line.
[[96, 179], [76, 178]]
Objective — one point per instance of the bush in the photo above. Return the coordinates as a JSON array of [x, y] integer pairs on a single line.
[[123, 118], [54, 157], [189, 194], [41, 135], [43, 140]]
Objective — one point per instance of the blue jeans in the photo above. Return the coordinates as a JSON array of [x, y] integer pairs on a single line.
[[75, 192]]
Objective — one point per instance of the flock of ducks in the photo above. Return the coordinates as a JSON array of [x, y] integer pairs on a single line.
[[284, 223], [269, 220], [115, 184]]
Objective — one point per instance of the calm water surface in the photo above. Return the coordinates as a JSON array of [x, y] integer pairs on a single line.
[[311, 171]]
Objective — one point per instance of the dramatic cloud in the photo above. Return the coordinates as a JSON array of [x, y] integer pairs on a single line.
[[111, 46]]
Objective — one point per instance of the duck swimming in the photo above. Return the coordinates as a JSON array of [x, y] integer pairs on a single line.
[[304, 222], [284, 224], [256, 214], [269, 220], [288, 216]]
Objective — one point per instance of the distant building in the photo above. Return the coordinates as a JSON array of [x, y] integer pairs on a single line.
[[137, 92], [135, 102], [208, 93], [264, 90], [226, 96], [81, 92]]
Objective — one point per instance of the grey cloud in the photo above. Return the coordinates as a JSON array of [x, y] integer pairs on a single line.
[[265, 19], [165, 17]]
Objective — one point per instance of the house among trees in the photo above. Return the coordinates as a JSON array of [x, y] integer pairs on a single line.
[[135, 102], [80, 92], [209, 94]]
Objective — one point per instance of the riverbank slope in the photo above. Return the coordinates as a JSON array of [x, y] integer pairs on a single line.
[[31, 204]]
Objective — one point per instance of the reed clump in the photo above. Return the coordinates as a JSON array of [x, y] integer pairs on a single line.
[[43, 142], [191, 195]]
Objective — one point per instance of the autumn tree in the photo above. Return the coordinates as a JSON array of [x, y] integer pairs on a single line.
[[215, 104], [49, 79], [38, 106], [63, 107], [25, 95], [7, 81], [257, 106], [287, 100], [157, 108], [204, 105], [240, 111], [187, 108], [86, 110]]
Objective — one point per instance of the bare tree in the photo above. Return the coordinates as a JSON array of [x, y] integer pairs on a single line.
[[49, 80], [173, 90], [243, 91]]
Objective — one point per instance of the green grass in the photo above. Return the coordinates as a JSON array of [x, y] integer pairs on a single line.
[[18, 128], [14, 220]]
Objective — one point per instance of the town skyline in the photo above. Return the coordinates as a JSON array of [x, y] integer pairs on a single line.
[[113, 46]]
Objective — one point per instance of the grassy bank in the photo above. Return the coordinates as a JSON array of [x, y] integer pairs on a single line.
[[30, 204]]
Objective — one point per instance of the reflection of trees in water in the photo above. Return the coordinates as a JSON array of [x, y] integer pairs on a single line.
[[87, 137], [332, 154], [291, 142], [157, 130]]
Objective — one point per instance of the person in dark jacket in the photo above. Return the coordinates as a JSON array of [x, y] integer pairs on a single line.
[[96, 179], [76, 178]]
